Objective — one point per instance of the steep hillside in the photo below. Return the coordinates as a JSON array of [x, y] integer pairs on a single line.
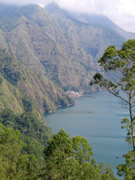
[[93, 38], [103, 21], [21, 89], [54, 43], [26, 39], [10, 97]]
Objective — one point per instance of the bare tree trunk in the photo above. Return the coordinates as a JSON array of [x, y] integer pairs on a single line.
[[131, 120]]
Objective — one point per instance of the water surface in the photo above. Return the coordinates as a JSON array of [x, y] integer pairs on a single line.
[[97, 117]]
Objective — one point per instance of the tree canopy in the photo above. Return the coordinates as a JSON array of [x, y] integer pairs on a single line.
[[64, 157], [70, 158], [121, 84], [122, 63], [14, 164]]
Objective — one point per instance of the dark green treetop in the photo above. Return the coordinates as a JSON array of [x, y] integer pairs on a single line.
[[14, 164], [70, 158]]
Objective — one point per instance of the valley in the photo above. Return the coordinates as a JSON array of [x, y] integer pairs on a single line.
[[48, 57]]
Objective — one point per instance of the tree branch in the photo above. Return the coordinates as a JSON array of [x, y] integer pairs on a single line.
[[116, 95]]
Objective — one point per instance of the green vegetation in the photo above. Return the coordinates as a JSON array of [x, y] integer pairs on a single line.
[[27, 104], [12, 77], [10, 97], [70, 158], [14, 164], [27, 124], [122, 62], [35, 134], [28, 155], [8, 69], [23, 90], [0, 81], [128, 169], [64, 50]]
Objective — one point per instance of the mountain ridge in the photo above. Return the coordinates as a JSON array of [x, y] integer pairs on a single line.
[[57, 45]]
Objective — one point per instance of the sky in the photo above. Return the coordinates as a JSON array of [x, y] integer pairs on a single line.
[[122, 12]]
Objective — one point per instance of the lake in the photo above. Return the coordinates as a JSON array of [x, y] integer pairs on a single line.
[[97, 117]]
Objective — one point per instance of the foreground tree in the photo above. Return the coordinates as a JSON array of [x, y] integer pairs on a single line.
[[128, 169], [122, 85], [70, 158], [122, 63]]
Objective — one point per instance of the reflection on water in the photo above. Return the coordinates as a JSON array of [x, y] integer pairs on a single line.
[[97, 117]]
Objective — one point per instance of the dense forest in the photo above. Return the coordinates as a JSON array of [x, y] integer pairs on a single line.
[[25, 157]]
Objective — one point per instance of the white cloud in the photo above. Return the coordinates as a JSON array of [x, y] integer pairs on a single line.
[[120, 11]]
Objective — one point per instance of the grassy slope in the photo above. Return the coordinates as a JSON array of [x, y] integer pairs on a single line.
[[18, 82], [10, 97]]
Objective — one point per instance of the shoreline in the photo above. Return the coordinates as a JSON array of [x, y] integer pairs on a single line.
[[74, 94]]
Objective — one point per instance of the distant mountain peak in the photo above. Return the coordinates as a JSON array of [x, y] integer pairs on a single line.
[[32, 6], [53, 7]]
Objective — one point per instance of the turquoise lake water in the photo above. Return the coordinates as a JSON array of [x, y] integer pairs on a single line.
[[97, 117]]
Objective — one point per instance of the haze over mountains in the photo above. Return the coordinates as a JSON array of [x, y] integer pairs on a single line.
[[52, 44]]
